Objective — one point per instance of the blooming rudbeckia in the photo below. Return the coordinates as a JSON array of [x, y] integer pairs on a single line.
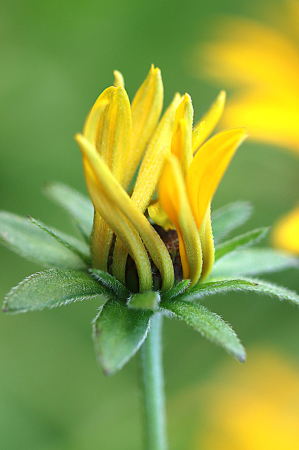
[[117, 137], [262, 62]]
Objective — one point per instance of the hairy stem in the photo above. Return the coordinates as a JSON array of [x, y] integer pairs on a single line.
[[152, 385]]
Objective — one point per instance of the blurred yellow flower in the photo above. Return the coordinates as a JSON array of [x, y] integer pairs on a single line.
[[255, 408], [263, 64], [116, 139]]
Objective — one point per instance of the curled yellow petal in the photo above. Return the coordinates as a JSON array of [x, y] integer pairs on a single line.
[[108, 127], [208, 167], [174, 200], [118, 79], [206, 125], [182, 132], [121, 200], [146, 109], [114, 131], [120, 226], [152, 164], [207, 244], [286, 232]]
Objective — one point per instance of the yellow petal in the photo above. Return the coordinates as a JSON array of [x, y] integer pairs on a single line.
[[120, 226], [174, 200], [100, 242], [207, 244], [114, 131], [146, 109], [152, 164], [118, 79], [286, 233], [206, 125], [120, 199], [109, 128], [182, 132], [208, 168], [91, 122], [159, 216]]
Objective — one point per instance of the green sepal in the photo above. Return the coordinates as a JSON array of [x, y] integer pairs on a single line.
[[246, 239], [229, 217], [146, 300], [23, 237], [178, 289], [76, 204], [214, 287], [208, 324], [111, 283], [118, 333], [252, 261], [197, 293], [51, 288], [80, 248], [267, 288]]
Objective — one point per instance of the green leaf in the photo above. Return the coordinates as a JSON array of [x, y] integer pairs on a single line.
[[146, 300], [80, 248], [229, 217], [250, 238], [111, 283], [76, 204], [24, 238], [179, 288], [208, 324], [51, 288], [118, 334], [252, 261], [214, 287]]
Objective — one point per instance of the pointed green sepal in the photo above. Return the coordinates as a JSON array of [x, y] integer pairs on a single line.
[[111, 283], [215, 287], [178, 289], [51, 288], [146, 300], [76, 204], [79, 248], [23, 237], [208, 324], [244, 240], [118, 333]]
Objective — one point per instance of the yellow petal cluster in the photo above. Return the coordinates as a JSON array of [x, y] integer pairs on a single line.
[[120, 140]]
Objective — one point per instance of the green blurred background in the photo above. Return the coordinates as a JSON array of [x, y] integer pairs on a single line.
[[56, 58]]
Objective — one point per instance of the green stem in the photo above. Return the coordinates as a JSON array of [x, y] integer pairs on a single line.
[[152, 385]]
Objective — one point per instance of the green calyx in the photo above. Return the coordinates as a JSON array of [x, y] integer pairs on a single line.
[[125, 316]]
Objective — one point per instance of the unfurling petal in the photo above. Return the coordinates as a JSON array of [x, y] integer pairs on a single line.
[[182, 133], [109, 127], [146, 110], [208, 168], [208, 122], [174, 200], [152, 164], [120, 200]]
